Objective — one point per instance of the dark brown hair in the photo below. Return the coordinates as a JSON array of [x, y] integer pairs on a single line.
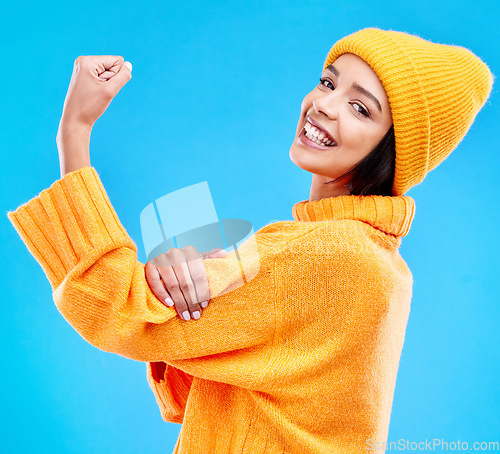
[[374, 174]]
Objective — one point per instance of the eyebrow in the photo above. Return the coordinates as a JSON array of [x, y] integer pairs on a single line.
[[357, 87]]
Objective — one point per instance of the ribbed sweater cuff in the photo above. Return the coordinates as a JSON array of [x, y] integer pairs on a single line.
[[67, 220]]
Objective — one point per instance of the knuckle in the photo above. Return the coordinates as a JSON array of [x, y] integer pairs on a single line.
[[172, 285], [174, 253], [161, 260], [83, 60], [192, 251]]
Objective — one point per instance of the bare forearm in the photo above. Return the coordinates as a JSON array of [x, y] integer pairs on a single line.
[[73, 142]]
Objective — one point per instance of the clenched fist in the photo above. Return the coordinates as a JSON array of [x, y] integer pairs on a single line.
[[95, 81]]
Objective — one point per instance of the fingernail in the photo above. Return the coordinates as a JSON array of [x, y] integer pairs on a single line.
[[204, 304], [169, 302], [128, 65], [196, 315], [186, 315]]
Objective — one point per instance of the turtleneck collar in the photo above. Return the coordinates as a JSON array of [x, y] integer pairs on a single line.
[[391, 214]]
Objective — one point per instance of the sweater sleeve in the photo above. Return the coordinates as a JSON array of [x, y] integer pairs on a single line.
[[100, 287]]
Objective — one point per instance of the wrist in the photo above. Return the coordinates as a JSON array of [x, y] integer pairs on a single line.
[[72, 128], [73, 143]]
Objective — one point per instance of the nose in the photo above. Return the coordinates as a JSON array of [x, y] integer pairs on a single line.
[[327, 104]]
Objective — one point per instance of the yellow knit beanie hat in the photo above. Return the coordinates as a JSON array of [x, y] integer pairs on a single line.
[[434, 90]]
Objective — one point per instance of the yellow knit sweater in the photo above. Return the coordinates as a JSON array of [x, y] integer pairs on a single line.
[[300, 359]]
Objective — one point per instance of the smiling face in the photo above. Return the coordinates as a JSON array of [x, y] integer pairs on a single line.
[[349, 105]]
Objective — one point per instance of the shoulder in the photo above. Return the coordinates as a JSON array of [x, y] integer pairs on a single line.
[[331, 237], [344, 244], [279, 235], [351, 240], [348, 248]]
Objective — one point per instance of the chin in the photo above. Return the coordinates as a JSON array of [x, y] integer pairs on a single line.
[[304, 160], [301, 161]]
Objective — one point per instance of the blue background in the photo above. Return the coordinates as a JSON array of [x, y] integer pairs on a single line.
[[215, 96]]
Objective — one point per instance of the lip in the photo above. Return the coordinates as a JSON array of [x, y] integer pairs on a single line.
[[320, 127], [310, 144]]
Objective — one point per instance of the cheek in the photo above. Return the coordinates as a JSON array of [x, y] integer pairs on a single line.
[[352, 131], [356, 133]]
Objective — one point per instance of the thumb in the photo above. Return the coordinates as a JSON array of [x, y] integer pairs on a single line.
[[123, 75]]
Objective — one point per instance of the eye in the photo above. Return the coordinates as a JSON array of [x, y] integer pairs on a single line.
[[362, 110], [322, 81]]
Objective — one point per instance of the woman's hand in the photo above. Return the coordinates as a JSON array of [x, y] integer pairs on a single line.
[[95, 81], [179, 277]]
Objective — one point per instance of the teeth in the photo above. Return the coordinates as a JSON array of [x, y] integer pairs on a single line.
[[317, 136]]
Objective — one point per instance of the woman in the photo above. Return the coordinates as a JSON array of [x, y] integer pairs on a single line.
[[299, 354]]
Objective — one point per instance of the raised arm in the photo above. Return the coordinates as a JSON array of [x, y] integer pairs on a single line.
[[95, 81], [100, 287]]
